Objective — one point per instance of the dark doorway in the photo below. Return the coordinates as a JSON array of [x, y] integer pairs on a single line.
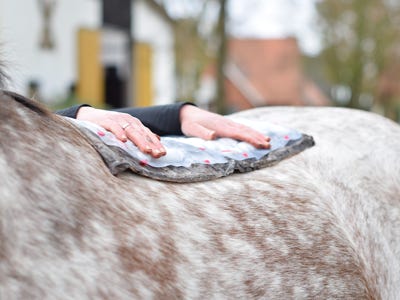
[[114, 88]]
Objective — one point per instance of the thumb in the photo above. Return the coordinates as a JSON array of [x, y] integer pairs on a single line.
[[196, 130]]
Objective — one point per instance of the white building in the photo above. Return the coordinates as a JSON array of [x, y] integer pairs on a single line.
[[84, 48]]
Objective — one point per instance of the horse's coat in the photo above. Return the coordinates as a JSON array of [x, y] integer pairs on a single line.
[[322, 225]]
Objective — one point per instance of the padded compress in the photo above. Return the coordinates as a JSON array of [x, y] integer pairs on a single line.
[[193, 159]]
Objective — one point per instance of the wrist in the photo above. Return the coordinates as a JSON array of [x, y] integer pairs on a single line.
[[83, 111], [186, 111]]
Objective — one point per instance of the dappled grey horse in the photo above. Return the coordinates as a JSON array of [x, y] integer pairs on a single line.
[[324, 224]]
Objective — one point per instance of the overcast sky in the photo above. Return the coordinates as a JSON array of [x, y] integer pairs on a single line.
[[265, 19], [276, 18]]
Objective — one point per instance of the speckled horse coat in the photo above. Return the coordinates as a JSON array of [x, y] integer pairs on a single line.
[[324, 224]]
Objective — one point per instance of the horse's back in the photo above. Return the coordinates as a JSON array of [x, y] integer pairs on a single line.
[[322, 224]]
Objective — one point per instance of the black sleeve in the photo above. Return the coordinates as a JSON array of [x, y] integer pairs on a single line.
[[160, 119], [70, 111]]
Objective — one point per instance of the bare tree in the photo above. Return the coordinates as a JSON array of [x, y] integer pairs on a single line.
[[197, 47], [222, 56], [359, 37]]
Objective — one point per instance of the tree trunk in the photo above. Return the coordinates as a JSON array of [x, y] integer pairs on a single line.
[[221, 59]]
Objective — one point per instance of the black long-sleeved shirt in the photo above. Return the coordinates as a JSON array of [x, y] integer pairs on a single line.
[[160, 119]]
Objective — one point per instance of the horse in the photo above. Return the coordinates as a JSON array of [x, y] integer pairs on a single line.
[[323, 224]]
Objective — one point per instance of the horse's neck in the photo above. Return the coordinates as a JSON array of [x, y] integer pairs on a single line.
[[39, 146]]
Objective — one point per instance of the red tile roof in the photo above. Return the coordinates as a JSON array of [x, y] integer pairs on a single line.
[[268, 72]]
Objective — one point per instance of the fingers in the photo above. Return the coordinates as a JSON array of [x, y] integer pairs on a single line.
[[261, 142], [117, 130], [228, 129], [253, 138], [237, 131], [126, 127], [208, 126], [197, 130], [145, 140], [249, 135]]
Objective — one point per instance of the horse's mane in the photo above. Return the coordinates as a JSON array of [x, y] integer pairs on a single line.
[[3, 76], [29, 103]]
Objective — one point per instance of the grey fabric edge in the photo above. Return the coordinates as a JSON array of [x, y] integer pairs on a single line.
[[117, 160]]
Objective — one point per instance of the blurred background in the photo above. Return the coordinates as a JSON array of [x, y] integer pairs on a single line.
[[224, 55]]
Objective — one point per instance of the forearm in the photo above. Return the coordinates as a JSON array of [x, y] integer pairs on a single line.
[[70, 112], [161, 119]]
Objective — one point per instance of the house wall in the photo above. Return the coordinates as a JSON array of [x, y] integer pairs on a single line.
[[272, 66], [263, 72], [56, 69], [150, 28], [20, 31]]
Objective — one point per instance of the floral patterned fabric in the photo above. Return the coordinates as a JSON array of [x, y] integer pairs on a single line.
[[191, 159]]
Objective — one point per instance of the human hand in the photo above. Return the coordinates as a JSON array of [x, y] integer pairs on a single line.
[[124, 127], [207, 125]]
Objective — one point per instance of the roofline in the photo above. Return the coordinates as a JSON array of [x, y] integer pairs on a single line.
[[239, 80]]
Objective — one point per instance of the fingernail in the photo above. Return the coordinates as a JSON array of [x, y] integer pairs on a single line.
[[156, 153], [159, 151], [264, 145], [213, 135]]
